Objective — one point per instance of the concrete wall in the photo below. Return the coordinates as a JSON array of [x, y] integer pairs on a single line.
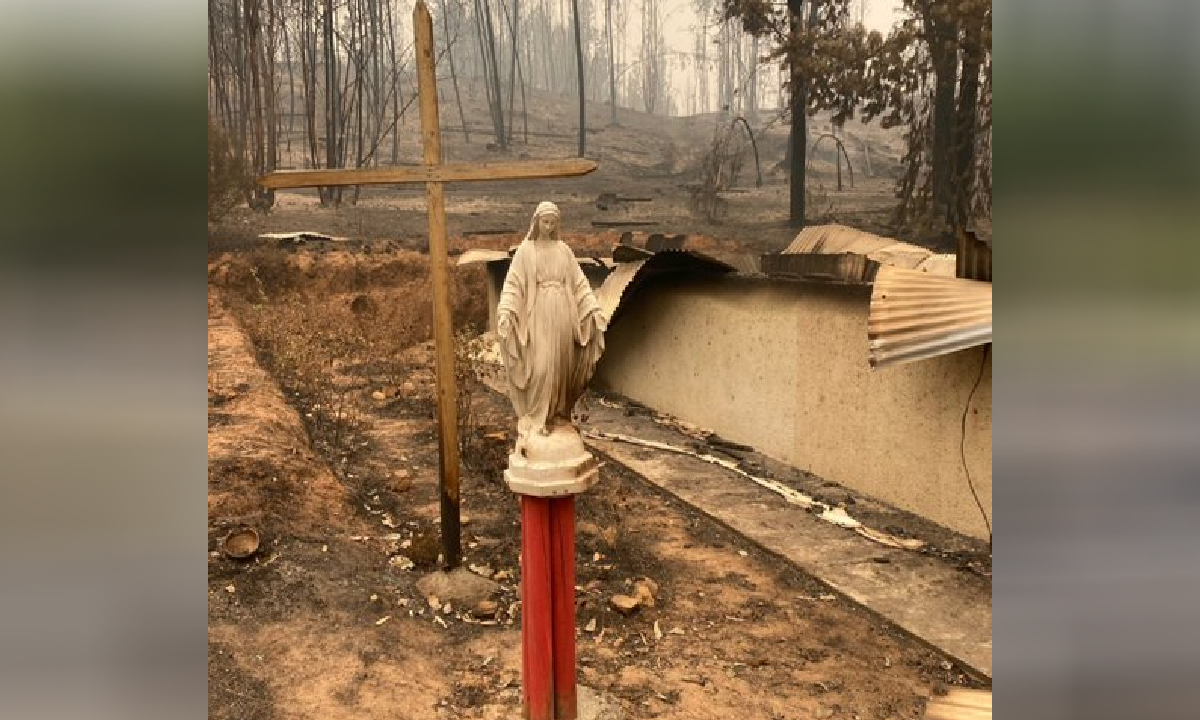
[[782, 366]]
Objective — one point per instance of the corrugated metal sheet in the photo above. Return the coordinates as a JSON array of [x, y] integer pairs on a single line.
[[974, 257], [842, 267], [915, 315], [628, 275], [478, 255], [839, 239]]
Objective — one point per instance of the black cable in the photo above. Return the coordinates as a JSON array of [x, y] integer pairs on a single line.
[[962, 447]]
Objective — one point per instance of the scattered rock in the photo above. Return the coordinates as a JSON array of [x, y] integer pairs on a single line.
[[591, 626], [408, 388], [503, 575], [483, 570], [378, 395], [447, 609], [610, 536], [823, 712], [645, 590], [433, 601], [658, 633], [461, 587], [486, 609], [625, 604]]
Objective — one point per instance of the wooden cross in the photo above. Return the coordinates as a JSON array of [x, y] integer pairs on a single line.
[[434, 173]]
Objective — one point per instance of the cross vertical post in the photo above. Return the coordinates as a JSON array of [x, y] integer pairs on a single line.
[[443, 335]]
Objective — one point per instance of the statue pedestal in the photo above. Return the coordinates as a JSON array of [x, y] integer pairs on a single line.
[[548, 471], [552, 465]]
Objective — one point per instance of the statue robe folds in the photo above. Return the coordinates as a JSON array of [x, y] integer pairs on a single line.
[[551, 333]]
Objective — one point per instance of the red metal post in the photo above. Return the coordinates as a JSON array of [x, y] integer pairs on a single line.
[[536, 633], [562, 578]]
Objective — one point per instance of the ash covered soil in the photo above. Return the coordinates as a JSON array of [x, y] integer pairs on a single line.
[[648, 166], [322, 438]]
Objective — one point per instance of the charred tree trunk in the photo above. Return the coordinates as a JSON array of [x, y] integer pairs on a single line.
[[487, 38], [579, 70], [612, 71], [512, 62], [943, 48], [799, 134], [968, 114], [462, 118], [330, 195], [752, 82]]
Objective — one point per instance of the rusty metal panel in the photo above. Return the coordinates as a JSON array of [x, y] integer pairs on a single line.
[[839, 240], [974, 257], [842, 267], [915, 315]]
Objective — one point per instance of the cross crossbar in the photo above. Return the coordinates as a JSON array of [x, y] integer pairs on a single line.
[[448, 172]]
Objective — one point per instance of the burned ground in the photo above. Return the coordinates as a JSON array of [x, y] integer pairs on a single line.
[[322, 438]]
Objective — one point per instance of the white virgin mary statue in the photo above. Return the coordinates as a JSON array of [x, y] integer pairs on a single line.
[[551, 329]]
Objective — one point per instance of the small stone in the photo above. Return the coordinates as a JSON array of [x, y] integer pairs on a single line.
[[378, 395], [401, 562], [230, 589], [460, 586], [610, 536], [597, 557], [403, 602], [447, 609], [658, 634], [624, 604], [587, 528], [374, 597], [433, 601], [402, 473], [823, 712], [482, 570], [503, 575], [743, 553], [675, 631], [644, 589], [408, 388], [486, 609], [591, 626]]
